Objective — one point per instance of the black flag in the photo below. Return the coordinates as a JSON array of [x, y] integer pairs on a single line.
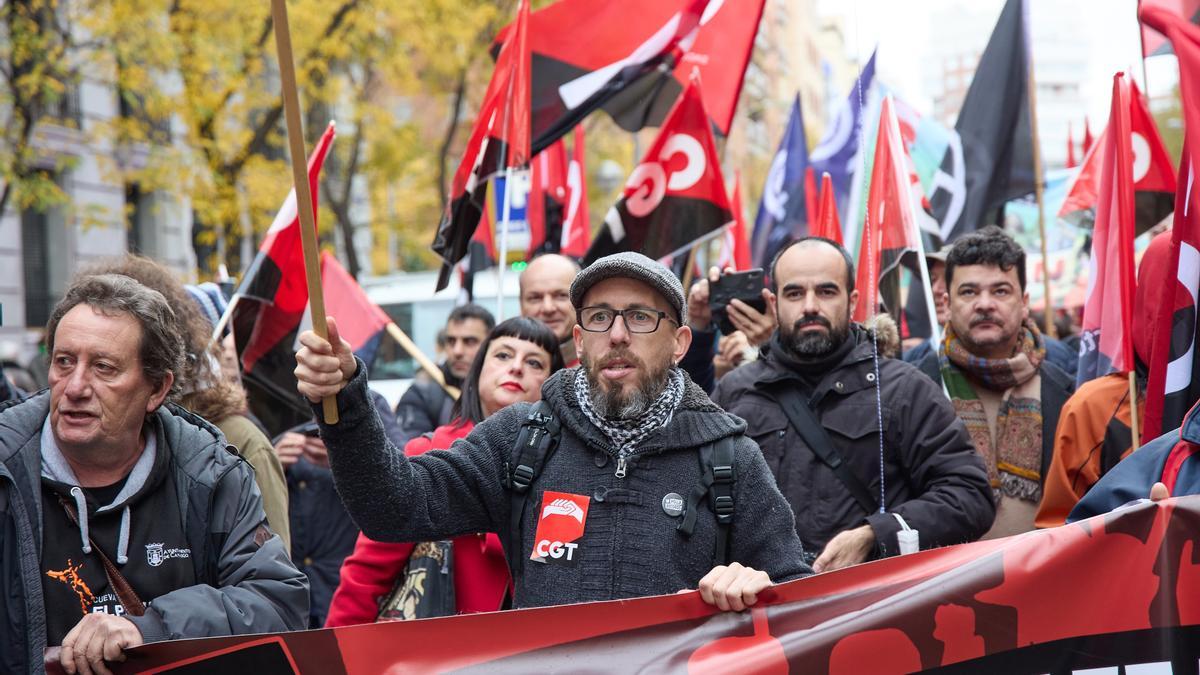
[[996, 159]]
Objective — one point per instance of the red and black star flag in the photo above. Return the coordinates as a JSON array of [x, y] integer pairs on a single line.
[[499, 140], [1153, 173], [676, 195], [634, 58]]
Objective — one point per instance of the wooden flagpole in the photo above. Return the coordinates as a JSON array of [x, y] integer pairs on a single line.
[[304, 202], [1039, 188], [1133, 413], [422, 360]]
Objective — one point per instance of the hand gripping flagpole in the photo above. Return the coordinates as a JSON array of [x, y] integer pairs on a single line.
[[304, 203]]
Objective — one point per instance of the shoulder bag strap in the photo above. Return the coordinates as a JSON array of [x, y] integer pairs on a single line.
[[805, 421], [125, 593]]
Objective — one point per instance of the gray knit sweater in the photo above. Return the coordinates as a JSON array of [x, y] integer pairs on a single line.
[[630, 546]]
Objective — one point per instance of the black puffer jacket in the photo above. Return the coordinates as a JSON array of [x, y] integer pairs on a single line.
[[932, 474]]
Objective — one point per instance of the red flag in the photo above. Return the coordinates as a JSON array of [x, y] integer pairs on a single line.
[[633, 59], [1107, 339], [577, 227], [548, 197], [890, 229], [1071, 163], [735, 252], [499, 140], [1174, 384], [828, 224], [1087, 136], [676, 195], [1152, 170], [812, 199], [1153, 41], [360, 321]]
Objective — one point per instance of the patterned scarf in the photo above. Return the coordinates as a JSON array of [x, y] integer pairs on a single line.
[[624, 434], [1014, 462]]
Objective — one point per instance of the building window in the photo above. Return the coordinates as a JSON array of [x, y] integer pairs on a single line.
[[35, 249]]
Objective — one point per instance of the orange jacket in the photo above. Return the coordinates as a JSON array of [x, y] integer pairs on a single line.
[[1094, 423]]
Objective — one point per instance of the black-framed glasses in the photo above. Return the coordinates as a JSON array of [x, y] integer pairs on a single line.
[[637, 319]]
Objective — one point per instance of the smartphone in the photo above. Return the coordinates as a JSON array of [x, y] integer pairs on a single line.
[[745, 286]]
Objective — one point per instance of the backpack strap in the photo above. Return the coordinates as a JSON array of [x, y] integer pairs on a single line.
[[718, 474], [538, 438]]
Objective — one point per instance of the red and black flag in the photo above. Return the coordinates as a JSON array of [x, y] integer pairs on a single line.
[[271, 301], [633, 59], [499, 140], [481, 255], [577, 226], [676, 195], [549, 197], [1106, 343], [1153, 173], [890, 235], [1174, 384]]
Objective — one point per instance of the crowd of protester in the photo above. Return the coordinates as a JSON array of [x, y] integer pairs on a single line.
[[141, 500]]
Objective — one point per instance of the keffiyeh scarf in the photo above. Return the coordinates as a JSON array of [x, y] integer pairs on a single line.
[[624, 434]]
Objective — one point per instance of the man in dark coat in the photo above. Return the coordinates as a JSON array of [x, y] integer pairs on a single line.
[[924, 466]]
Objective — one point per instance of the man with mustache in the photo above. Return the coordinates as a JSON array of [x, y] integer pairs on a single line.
[[621, 507], [993, 365], [816, 403], [546, 296]]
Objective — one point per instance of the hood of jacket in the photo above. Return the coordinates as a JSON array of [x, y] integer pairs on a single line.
[[696, 422]]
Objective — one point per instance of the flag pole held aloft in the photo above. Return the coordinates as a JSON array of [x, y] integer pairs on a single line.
[[304, 202]]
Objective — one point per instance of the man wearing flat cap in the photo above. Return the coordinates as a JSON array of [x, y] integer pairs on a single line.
[[649, 488]]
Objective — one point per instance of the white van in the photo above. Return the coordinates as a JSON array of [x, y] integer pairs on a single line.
[[409, 299]]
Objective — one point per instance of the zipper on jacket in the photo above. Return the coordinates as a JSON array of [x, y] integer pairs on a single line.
[[620, 467]]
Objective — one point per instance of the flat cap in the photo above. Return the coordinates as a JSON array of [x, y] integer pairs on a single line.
[[631, 265]]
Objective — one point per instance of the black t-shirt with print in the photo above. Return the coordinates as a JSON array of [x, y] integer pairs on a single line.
[[74, 583]]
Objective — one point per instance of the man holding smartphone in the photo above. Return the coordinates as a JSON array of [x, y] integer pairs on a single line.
[[811, 405], [745, 316]]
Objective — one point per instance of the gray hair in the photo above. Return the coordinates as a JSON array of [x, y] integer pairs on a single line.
[[161, 349]]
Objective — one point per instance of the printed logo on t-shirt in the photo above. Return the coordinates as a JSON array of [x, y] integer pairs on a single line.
[[71, 577], [157, 554], [560, 525]]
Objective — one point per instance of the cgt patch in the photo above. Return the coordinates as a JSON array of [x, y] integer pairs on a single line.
[[560, 525]]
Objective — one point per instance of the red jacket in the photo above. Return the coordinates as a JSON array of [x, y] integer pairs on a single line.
[[480, 569]]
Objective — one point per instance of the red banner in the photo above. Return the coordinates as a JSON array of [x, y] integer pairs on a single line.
[[1118, 589]]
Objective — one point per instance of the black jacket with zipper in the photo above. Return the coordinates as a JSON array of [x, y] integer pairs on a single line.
[[245, 581], [932, 475]]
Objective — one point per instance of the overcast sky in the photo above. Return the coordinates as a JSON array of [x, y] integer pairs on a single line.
[[1105, 30]]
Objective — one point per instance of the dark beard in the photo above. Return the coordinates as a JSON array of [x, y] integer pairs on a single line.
[[615, 403], [815, 345]]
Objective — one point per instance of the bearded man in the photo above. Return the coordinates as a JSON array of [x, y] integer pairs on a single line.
[[617, 513], [841, 427]]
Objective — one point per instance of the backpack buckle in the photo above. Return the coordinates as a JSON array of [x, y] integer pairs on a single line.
[[723, 505], [522, 477], [722, 474]]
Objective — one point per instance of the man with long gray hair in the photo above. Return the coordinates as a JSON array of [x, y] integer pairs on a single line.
[[125, 519]]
